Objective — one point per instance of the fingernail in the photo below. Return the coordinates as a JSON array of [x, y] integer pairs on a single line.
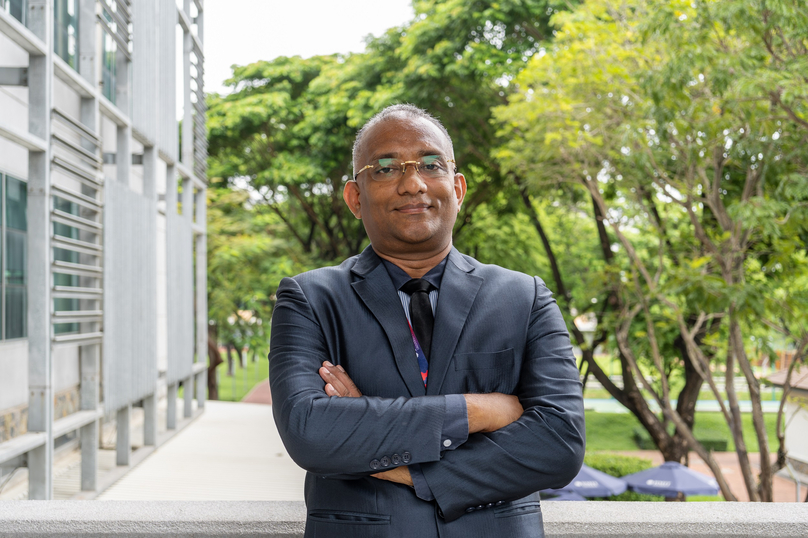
[[340, 368], [328, 363]]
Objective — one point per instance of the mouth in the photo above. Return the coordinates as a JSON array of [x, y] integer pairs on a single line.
[[411, 209]]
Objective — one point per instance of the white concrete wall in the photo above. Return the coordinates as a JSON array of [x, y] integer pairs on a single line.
[[34, 519], [13, 373], [162, 271], [796, 419]]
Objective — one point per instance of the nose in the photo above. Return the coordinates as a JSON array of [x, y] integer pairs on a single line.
[[411, 181]]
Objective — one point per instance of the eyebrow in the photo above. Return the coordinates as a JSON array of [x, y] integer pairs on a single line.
[[396, 155]]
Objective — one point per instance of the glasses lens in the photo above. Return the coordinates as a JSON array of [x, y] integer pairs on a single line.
[[432, 166], [386, 170]]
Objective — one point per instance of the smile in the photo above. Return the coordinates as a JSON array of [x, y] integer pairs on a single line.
[[413, 208]]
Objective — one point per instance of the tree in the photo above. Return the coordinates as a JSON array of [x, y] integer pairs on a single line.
[[698, 182], [247, 257]]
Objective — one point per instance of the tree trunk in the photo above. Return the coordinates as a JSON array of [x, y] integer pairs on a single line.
[[214, 360], [240, 353], [231, 363]]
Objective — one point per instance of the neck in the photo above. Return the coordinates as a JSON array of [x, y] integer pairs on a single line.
[[416, 265]]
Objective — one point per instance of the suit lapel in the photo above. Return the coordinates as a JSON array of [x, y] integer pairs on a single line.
[[458, 289], [377, 292]]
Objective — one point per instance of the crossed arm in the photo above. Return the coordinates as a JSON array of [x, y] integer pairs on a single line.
[[486, 412]]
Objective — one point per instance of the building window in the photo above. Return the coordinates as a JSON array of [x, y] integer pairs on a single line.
[[66, 30], [15, 8], [109, 53], [13, 258], [63, 255]]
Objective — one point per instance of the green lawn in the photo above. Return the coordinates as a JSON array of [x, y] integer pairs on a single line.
[[767, 394], [234, 388], [614, 431]]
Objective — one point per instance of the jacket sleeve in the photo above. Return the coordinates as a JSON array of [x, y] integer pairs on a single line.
[[544, 448], [333, 436]]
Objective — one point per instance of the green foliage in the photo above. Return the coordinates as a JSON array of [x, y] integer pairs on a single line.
[[660, 145], [616, 464], [619, 465]]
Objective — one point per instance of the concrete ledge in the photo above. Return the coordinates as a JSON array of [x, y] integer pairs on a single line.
[[55, 519]]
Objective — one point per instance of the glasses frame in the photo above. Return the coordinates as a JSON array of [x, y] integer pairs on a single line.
[[404, 165]]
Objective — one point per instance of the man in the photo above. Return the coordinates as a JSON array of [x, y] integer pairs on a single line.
[[411, 427]]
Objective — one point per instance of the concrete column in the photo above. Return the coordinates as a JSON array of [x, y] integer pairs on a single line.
[[200, 26], [87, 67], [150, 191], [40, 370], [150, 420], [201, 389], [187, 117], [123, 444], [188, 396], [123, 159], [89, 394], [201, 294], [171, 402]]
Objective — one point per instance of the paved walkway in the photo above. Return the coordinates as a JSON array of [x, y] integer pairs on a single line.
[[231, 452], [259, 394]]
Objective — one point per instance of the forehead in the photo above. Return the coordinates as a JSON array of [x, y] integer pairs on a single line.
[[402, 137]]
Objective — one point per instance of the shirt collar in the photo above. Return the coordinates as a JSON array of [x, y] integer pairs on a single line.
[[399, 277]]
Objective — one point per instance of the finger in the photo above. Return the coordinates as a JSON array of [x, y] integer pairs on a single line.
[[331, 380], [330, 390], [342, 380]]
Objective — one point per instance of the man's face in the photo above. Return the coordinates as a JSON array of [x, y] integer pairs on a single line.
[[411, 217]]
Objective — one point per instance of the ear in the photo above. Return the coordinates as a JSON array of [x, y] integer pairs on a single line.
[[350, 193], [460, 188]]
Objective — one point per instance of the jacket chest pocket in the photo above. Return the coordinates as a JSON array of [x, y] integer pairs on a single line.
[[483, 372]]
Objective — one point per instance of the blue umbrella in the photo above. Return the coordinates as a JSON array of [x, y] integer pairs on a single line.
[[564, 495], [590, 482], [670, 479]]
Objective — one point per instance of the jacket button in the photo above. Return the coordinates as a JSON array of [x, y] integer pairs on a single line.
[[375, 464], [406, 457], [480, 507], [498, 503], [396, 459], [385, 461], [470, 509]]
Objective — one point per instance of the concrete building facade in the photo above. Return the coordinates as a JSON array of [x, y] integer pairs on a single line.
[[103, 153]]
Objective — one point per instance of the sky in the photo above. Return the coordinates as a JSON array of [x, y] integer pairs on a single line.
[[244, 31]]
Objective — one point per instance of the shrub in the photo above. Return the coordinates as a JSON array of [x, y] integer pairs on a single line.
[[617, 465]]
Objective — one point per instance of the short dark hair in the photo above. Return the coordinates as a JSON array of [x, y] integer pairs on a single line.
[[405, 110]]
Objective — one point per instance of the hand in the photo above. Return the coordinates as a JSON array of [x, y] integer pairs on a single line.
[[490, 412], [399, 475], [337, 381]]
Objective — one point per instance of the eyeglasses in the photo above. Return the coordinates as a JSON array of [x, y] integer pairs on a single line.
[[429, 167]]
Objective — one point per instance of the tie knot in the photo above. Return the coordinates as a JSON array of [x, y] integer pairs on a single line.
[[416, 285]]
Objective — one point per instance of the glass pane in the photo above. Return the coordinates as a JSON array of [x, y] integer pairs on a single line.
[[15, 257], [63, 229], [16, 313], [16, 204], [66, 30], [108, 65], [17, 8]]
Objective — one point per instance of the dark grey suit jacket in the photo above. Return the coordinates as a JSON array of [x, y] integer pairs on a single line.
[[495, 331]]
